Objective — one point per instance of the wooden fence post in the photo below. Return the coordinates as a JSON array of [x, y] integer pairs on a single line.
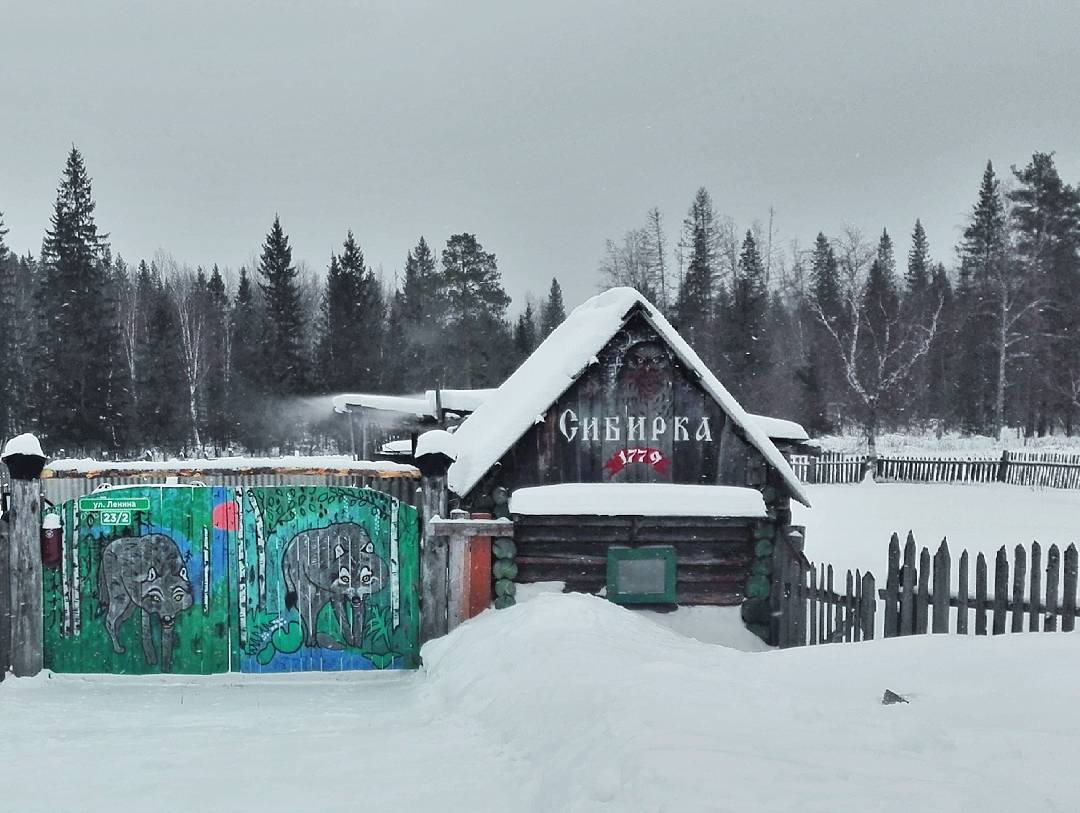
[[907, 588], [1003, 467], [849, 608], [1001, 590], [1019, 580], [5, 598], [1035, 595], [922, 599], [24, 461], [434, 566], [828, 629], [962, 597], [892, 589], [942, 586], [856, 608], [869, 591], [980, 595], [1053, 570], [1068, 604], [456, 598]]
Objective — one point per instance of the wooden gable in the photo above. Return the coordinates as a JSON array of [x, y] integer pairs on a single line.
[[637, 415]]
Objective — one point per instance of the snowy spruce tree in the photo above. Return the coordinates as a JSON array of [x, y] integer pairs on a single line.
[[77, 321], [478, 337], [283, 368], [694, 304], [552, 312], [743, 334], [1045, 217], [17, 373], [247, 410], [349, 351], [525, 338], [422, 314], [161, 383], [823, 376]]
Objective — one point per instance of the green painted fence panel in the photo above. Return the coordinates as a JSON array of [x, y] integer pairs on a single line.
[[151, 595], [244, 579], [328, 580]]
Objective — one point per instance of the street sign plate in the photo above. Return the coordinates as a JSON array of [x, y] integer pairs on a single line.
[[114, 504]]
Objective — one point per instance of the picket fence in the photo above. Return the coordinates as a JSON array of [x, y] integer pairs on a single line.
[[920, 595], [1042, 469]]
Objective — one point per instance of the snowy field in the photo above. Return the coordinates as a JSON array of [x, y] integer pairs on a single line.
[[849, 525], [950, 444], [569, 703]]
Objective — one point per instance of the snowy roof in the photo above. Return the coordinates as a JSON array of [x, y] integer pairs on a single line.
[[639, 499], [459, 400], [779, 429], [244, 465], [420, 405], [543, 377], [391, 403], [397, 447]]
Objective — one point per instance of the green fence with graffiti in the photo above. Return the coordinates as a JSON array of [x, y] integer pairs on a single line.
[[201, 580]]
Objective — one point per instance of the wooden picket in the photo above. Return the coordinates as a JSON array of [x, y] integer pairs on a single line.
[[816, 612], [1028, 468], [997, 611], [918, 596]]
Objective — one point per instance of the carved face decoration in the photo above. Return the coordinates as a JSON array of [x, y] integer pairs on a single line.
[[646, 368]]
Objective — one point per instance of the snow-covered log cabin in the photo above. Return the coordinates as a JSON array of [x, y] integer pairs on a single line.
[[627, 467]]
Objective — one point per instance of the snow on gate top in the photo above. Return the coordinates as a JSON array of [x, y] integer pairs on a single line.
[[338, 464], [504, 416]]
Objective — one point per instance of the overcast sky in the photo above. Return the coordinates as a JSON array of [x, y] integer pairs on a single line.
[[543, 127]]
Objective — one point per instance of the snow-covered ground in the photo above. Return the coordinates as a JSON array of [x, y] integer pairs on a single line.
[[849, 525], [569, 703], [950, 444]]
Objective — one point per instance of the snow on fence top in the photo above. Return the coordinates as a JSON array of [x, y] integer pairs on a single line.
[[322, 464], [639, 499], [521, 401]]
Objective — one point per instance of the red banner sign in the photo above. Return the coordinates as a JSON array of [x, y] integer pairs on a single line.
[[637, 454]]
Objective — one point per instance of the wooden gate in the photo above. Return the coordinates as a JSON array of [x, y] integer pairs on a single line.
[[201, 580]]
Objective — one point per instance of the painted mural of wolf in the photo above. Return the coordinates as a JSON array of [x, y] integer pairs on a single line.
[[334, 565], [146, 573]]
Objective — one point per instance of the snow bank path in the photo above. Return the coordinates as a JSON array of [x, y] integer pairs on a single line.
[[342, 742]]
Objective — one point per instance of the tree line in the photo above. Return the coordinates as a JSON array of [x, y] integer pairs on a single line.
[[836, 335], [105, 358]]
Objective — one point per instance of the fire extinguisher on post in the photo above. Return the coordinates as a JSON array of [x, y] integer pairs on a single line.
[[51, 535]]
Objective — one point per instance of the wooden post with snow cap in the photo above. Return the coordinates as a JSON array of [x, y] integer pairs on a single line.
[[22, 602], [433, 456]]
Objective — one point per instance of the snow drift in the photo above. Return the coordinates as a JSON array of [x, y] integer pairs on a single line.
[[570, 703], [613, 712]]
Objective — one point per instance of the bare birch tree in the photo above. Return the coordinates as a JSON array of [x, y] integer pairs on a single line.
[[877, 347], [188, 292]]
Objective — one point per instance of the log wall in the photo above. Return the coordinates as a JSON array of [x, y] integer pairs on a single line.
[[713, 556]]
